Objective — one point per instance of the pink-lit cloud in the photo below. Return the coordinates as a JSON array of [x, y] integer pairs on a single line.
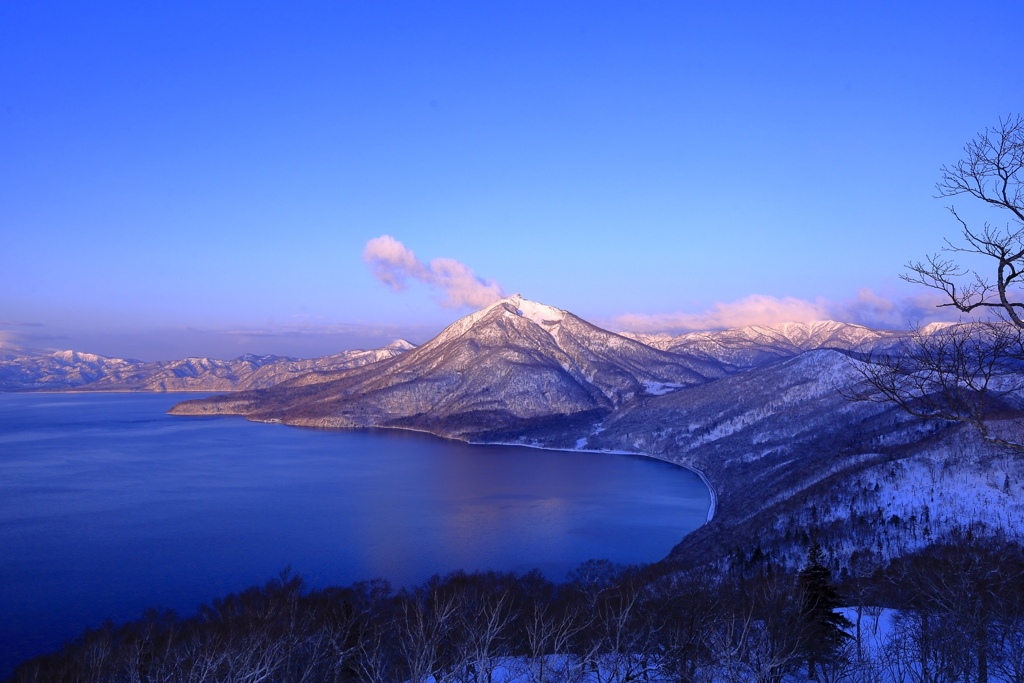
[[8, 340], [756, 309], [873, 310], [16, 337], [866, 308], [395, 264]]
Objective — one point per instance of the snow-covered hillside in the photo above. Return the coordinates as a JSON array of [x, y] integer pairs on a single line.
[[759, 344]]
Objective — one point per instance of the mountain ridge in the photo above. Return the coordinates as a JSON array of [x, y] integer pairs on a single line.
[[79, 371], [710, 353], [754, 345]]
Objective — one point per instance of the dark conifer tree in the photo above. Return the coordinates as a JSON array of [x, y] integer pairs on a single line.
[[822, 627]]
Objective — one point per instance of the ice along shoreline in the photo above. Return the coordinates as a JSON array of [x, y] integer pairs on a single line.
[[712, 507]]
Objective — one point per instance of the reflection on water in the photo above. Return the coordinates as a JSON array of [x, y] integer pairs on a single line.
[[108, 505]]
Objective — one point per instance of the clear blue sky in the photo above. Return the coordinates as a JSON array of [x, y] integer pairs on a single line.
[[203, 178]]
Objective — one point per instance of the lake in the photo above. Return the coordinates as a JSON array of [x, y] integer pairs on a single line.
[[109, 506]]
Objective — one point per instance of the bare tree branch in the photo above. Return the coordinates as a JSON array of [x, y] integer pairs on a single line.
[[968, 372], [992, 171]]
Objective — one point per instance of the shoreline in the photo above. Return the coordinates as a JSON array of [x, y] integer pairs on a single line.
[[712, 507], [712, 492]]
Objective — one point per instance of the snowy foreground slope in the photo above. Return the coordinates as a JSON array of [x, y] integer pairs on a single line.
[[790, 457]]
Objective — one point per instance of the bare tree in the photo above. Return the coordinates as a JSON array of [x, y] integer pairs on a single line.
[[551, 621], [485, 621], [960, 601], [424, 623], [993, 172], [966, 372], [757, 634]]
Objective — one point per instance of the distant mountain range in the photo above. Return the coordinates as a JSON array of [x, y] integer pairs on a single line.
[[519, 369], [707, 355], [67, 370]]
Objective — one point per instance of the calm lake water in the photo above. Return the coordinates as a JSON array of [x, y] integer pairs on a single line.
[[109, 506]]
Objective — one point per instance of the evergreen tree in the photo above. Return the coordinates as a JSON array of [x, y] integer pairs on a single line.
[[822, 628]]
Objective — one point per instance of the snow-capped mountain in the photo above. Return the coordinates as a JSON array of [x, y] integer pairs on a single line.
[[62, 370], [86, 371], [748, 347], [513, 366]]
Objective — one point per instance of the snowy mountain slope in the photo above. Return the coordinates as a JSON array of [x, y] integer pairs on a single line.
[[926, 491], [62, 370], [759, 344], [790, 458], [748, 429], [514, 365]]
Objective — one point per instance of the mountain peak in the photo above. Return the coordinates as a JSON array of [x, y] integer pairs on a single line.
[[400, 345], [77, 356], [933, 328], [542, 314]]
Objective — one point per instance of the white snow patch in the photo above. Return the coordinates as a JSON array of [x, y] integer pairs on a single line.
[[542, 314], [660, 388]]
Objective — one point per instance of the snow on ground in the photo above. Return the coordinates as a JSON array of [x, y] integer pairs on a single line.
[[661, 388], [881, 649], [895, 508], [542, 314]]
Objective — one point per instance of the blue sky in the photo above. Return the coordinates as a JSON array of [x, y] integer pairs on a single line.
[[204, 178]]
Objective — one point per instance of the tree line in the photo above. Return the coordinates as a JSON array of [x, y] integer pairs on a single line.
[[955, 612]]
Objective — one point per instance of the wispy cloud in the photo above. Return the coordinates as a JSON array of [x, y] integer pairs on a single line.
[[16, 336], [395, 264], [11, 323], [756, 309], [873, 310], [8, 340], [867, 308], [388, 332]]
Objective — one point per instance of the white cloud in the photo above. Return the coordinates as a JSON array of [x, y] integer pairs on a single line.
[[8, 340], [395, 264], [867, 308], [756, 309], [873, 310]]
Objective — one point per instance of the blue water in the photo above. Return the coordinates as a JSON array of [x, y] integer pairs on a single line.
[[109, 506]]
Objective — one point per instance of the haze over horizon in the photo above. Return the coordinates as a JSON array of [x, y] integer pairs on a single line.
[[196, 180]]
